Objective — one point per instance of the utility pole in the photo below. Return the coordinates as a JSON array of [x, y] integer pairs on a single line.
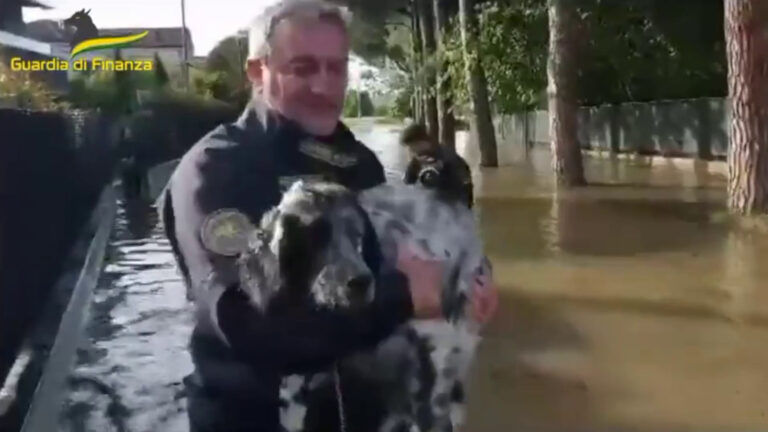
[[184, 55]]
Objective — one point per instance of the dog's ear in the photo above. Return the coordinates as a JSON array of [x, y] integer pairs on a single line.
[[300, 241], [294, 253]]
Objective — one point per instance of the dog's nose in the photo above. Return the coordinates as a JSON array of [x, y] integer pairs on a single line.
[[360, 284]]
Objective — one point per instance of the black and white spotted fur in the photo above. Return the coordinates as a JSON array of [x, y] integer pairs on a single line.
[[312, 249]]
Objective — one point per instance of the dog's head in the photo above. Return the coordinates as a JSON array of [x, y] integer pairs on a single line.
[[310, 248]]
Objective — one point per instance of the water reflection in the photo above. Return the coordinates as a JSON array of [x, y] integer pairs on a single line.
[[383, 140], [140, 217], [744, 276], [663, 304], [128, 376]]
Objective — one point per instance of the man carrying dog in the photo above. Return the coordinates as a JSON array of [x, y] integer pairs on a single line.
[[297, 63]]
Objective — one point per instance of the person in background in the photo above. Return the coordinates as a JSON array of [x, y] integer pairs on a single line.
[[435, 166]]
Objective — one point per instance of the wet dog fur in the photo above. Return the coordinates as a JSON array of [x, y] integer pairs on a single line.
[[319, 247]]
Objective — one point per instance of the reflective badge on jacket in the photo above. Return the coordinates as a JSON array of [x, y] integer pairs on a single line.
[[287, 181], [225, 232], [328, 154]]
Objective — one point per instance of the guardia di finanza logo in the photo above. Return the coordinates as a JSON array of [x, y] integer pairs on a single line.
[[85, 39]]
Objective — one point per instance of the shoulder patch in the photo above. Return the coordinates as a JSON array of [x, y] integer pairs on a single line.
[[327, 154], [225, 232]]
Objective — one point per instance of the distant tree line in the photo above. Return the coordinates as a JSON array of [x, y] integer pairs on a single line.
[[476, 58]]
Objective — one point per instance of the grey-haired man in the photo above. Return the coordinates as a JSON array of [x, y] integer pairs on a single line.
[[298, 66]]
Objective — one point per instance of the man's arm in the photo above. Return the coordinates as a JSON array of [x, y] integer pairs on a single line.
[[309, 340], [292, 343]]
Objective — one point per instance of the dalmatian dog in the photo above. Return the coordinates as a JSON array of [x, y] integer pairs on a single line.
[[315, 247]]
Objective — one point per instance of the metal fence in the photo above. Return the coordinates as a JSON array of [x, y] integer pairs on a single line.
[[692, 128]]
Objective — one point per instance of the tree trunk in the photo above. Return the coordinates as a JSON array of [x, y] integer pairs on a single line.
[[747, 54], [427, 27], [446, 121], [483, 131], [416, 64], [563, 107]]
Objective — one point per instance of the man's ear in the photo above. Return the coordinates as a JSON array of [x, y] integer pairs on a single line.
[[254, 68]]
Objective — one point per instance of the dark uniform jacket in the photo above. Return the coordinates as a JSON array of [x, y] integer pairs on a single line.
[[239, 354]]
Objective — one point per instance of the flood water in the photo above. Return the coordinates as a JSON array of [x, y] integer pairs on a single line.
[[628, 305], [130, 369]]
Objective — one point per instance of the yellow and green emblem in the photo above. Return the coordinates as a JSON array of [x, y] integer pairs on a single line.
[[225, 232], [106, 42]]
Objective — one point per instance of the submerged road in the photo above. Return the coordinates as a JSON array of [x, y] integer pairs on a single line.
[[128, 376], [626, 306]]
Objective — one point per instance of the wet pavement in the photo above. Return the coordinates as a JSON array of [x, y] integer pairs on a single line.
[[629, 305]]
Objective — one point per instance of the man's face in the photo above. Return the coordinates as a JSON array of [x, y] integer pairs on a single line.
[[305, 76]]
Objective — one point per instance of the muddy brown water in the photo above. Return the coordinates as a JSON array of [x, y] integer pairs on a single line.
[[625, 306]]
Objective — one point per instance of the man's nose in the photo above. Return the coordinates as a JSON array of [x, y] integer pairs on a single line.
[[325, 81]]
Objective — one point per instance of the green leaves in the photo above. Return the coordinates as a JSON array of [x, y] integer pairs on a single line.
[[512, 46], [631, 50], [369, 29], [358, 103], [639, 51], [224, 76]]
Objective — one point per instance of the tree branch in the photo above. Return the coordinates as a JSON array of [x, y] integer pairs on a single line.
[[400, 65]]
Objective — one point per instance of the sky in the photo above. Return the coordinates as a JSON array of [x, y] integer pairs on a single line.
[[208, 20]]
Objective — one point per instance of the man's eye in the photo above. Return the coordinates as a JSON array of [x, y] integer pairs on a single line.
[[304, 69]]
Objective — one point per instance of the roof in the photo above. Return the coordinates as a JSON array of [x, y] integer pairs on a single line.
[[159, 37]]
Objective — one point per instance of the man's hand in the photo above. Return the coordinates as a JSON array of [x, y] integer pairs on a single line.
[[425, 282], [485, 299]]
